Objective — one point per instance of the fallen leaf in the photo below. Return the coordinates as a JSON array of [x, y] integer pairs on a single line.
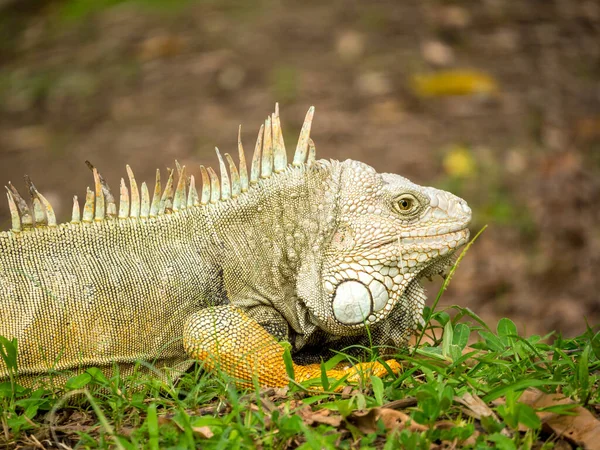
[[322, 416], [366, 422], [204, 432], [581, 428], [477, 408], [459, 162], [347, 391], [454, 82]]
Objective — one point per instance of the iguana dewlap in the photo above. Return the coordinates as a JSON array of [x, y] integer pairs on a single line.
[[322, 254]]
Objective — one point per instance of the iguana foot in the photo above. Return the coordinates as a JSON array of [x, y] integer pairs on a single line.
[[226, 339], [354, 373]]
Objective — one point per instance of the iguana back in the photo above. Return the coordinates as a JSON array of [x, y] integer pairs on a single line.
[[108, 291]]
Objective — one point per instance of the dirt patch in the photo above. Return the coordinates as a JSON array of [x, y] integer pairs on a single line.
[[140, 85]]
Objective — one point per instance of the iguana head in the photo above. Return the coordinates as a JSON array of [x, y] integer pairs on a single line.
[[390, 233]]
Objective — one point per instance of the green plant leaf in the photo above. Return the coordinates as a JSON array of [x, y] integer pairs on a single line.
[[289, 363], [492, 341], [515, 387], [502, 442], [377, 384], [447, 340], [507, 327], [324, 378], [152, 421], [528, 417], [97, 375], [461, 335], [78, 381], [583, 373]]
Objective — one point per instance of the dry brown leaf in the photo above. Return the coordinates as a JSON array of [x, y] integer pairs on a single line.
[[204, 432], [347, 391], [393, 419], [366, 422], [477, 408], [582, 428], [322, 416]]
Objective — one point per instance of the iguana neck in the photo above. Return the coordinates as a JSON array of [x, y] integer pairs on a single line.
[[272, 233]]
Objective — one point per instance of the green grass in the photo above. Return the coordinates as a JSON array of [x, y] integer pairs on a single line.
[[458, 357], [204, 409]]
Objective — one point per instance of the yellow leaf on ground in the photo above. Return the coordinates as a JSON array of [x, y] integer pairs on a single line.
[[453, 82], [459, 162]]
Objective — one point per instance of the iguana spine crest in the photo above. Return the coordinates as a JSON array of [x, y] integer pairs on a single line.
[[269, 157]]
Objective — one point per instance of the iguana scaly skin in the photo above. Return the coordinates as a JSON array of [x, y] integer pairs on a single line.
[[313, 252]]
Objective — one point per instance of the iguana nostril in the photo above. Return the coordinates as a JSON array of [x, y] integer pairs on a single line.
[[352, 302], [465, 207]]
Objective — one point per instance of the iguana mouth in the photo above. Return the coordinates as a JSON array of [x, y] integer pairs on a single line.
[[367, 293]]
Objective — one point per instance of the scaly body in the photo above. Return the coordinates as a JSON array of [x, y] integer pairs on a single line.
[[312, 253]]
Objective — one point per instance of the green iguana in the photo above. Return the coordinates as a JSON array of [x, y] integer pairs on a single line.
[[312, 252]]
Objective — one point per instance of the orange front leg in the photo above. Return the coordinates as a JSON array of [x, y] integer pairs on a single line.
[[225, 338]]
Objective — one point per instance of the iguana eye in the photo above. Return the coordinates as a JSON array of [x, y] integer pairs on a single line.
[[406, 204]]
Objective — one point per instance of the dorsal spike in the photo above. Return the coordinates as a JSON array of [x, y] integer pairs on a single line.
[[145, 206], [124, 200], [205, 186], [302, 147], [255, 169], [107, 198], [279, 152], [157, 196], [76, 212], [50, 215], [135, 194], [242, 158], [24, 212], [166, 201], [193, 193], [312, 152], [42, 209], [14, 212], [88, 207], [100, 211], [225, 184], [236, 186], [266, 169], [39, 215], [215, 190], [180, 200]]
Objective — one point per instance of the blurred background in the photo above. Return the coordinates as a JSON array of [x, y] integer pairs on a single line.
[[495, 100]]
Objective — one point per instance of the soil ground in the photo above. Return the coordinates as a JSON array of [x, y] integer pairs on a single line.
[[516, 132]]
